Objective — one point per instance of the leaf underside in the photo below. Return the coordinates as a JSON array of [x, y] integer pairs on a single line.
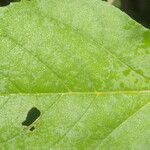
[[84, 66]]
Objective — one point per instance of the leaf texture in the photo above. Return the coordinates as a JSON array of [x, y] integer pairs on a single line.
[[84, 65]]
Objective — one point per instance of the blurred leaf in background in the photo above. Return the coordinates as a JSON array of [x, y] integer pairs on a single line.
[[116, 3]]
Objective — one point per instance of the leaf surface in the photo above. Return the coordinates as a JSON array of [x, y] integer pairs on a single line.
[[84, 65]]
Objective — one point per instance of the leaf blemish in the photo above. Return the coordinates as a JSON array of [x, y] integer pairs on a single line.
[[32, 115], [32, 128], [126, 72]]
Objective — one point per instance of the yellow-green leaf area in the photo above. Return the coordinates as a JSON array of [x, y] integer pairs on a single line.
[[74, 75]]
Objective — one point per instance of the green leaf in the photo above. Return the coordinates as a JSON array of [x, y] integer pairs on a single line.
[[74, 74]]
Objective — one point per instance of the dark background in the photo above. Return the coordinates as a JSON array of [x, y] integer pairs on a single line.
[[139, 10]]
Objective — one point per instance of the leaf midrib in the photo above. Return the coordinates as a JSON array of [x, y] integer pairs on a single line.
[[98, 93]]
